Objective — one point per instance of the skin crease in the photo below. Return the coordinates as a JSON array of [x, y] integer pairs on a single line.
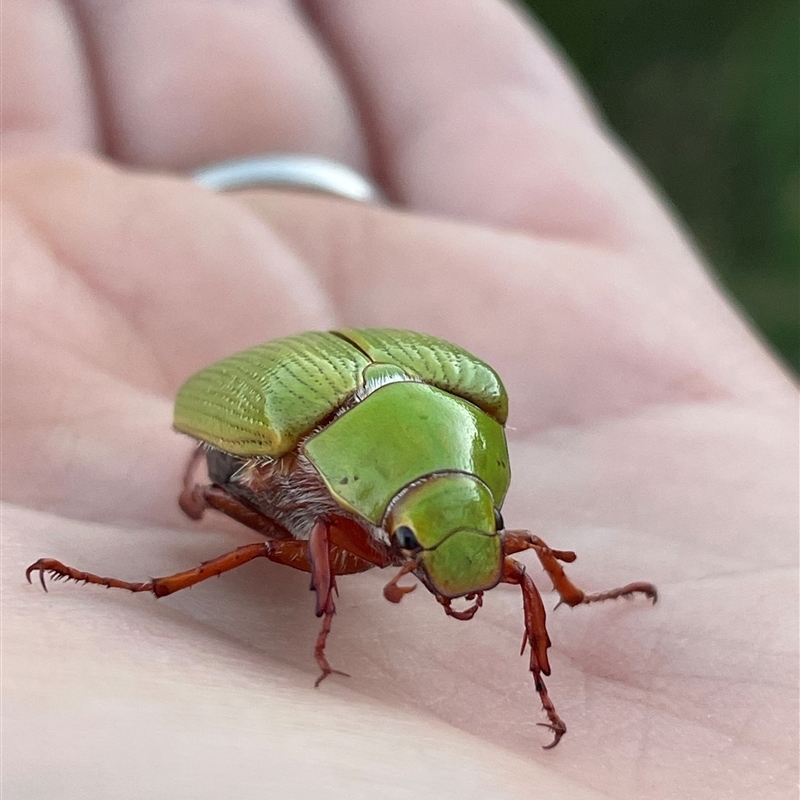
[[650, 431]]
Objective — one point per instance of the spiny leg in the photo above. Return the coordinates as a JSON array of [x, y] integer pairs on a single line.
[[339, 546], [349, 550], [536, 636], [627, 591], [202, 497], [517, 541], [322, 637], [194, 500], [293, 553], [160, 587], [290, 553], [323, 582]]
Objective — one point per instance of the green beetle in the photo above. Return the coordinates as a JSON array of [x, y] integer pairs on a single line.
[[355, 449]]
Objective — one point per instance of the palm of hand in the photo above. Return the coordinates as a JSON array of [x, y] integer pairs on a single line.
[[649, 433]]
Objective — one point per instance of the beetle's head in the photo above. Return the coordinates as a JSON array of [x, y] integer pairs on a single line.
[[448, 524]]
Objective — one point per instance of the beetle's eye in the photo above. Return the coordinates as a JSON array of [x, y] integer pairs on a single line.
[[499, 525], [405, 538]]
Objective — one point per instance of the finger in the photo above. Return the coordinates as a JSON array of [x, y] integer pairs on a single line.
[[184, 84], [47, 104], [475, 116], [160, 263]]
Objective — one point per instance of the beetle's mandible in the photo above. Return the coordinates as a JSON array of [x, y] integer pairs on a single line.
[[355, 449]]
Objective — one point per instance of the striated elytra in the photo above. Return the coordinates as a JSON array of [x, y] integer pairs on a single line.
[[355, 449]]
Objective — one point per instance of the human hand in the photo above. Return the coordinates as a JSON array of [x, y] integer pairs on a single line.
[[651, 433]]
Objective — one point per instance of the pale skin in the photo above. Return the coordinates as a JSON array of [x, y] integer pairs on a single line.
[[651, 432]]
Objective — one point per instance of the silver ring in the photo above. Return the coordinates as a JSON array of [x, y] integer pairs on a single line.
[[296, 171]]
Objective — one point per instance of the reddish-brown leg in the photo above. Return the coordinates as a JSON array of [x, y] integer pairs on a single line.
[[347, 534], [536, 636], [335, 547], [196, 500], [340, 546], [292, 553], [323, 582], [349, 551], [289, 553], [517, 541], [322, 637], [191, 499]]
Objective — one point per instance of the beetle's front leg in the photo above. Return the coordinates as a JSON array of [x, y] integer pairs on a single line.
[[517, 541], [328, 611], [536, 636]]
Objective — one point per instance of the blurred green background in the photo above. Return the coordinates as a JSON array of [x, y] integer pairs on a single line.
[[706, 94]]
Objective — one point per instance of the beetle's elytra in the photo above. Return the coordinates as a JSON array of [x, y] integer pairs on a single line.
[[356, 449]]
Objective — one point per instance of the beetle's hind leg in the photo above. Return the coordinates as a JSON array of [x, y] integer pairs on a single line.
[[191, 498], [517, 541], [195, 500]]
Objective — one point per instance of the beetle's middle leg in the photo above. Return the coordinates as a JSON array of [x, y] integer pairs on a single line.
[[517, 541], [191, 498], [291, 553]]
